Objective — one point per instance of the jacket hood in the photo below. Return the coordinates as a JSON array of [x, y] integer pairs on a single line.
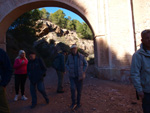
[[142, 51]]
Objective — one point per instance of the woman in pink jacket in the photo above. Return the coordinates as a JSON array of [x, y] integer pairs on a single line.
[[20, 67]]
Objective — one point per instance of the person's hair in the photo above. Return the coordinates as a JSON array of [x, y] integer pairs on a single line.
[[21, 51], [32, 52], [145, 32], [64, 51]]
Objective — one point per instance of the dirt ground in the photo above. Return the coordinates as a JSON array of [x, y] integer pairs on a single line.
[[98, 96]]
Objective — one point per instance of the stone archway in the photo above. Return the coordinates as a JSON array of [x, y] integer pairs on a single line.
[[13, 9], [111, 25]]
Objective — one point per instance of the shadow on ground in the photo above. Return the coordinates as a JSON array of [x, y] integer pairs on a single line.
[[99, 96]]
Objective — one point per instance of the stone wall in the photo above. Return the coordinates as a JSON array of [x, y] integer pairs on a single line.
[[117, 45], [141, 11]]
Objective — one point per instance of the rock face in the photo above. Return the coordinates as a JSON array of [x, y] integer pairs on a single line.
[[59, 31], [50, 31], [44, 30]]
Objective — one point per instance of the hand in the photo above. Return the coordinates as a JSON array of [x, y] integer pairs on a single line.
[[22, 62], [141, 94]]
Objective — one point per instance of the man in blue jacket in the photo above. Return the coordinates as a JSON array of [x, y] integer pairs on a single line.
[[140, 71], [36, 71], [5, 76], [76, 66], [59, 65]]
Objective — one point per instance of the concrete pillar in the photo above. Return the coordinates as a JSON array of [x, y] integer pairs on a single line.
[[114, 40], [100, 37], [101, 42], [102, 51]]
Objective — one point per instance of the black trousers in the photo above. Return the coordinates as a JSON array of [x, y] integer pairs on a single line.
[[20, 80], [60, 80], [146, 103]]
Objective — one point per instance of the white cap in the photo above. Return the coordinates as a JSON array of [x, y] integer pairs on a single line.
[[73, 46]]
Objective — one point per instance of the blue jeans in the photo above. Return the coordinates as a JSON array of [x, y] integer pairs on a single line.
[[41, 89], [76, 84], [146, 103]]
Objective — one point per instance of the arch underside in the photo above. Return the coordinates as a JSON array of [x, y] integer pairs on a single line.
[[18, 11]]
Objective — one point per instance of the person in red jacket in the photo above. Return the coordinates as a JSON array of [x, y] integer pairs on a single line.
[[20, 67]]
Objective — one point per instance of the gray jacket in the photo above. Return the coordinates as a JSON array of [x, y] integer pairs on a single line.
[[140, 70], [82, 66]]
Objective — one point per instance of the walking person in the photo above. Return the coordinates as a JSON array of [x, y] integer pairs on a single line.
[[76, 66], [140, 71], [36, 71], [5, 76], [20, 67], [59, 65]]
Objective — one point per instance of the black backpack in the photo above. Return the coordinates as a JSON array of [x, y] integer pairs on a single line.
[[56, 62]]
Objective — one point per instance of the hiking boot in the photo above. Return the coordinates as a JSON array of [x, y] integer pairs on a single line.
[[47, 101], [24, 97], [16, 98], [78, 106], [33, 106], [73, 106]]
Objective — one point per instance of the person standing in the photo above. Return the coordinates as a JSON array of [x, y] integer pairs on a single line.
[[59, 65], [140, 71], [36, 71], [76, 66], [20, 67], [5, 76]]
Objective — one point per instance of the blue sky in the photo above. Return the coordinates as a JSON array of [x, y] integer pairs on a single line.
[[67, 12]]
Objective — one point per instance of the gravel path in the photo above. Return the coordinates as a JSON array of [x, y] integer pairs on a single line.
[[99, 96]]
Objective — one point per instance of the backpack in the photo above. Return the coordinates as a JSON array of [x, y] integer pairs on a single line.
[[40, 61], [56, 62]]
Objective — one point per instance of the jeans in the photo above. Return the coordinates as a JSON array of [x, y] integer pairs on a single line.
[[146, 103], [20, 80], [4, 108], [60, 80], [41, 89], [76, 84]]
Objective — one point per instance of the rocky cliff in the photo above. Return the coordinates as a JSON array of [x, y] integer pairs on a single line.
[[49, 31]]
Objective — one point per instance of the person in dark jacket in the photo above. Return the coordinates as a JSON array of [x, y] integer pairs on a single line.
[[36, 70], [59, 65], [5, 76], [76, 65], [140, 71]]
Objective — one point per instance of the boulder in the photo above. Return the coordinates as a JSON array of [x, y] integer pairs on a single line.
[[59, 31], [66, 33], [44, 31]]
